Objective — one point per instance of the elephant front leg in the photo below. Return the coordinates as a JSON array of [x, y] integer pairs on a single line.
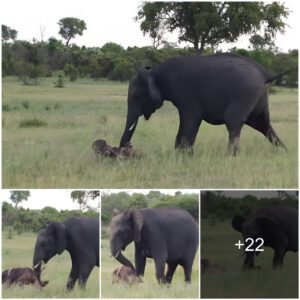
[[188, 129], [73, 276], [160, 270], [140, 262]]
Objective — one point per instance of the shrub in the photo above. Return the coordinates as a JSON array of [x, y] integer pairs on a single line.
[[32, 123], [60, 81], [71, 72], [25, 104]]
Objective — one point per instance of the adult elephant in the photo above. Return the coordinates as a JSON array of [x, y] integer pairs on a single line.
[[220, 89], [80, 237], [168, 235], [277, 226]]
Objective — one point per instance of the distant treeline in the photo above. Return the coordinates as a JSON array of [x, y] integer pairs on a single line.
[[214, 205], [154, 199], [22, 220], [33, 60]]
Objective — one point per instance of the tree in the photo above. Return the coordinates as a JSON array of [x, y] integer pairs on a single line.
[[8, 34], [79, 196], [211, 23], [18, 196], [70, 27], [82, 197]]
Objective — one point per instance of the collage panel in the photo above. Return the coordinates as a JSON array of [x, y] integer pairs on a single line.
[[149, 244], [249, 244], [50, 243]]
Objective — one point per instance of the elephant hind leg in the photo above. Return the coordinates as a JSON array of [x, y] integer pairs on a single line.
[[263, 125], [187, 267], [188, 129], [278, 258], [170, 272], [234, 131]]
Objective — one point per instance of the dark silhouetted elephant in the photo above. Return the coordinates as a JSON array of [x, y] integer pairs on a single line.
[[80, 237], [168, 235], [277, 226], [219, 89]]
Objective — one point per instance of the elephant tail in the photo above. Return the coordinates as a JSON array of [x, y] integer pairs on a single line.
[[278, 76]]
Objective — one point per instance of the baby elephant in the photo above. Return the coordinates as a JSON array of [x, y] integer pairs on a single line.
[[22, 276], [208, 267], [125, 275], [101, 147]]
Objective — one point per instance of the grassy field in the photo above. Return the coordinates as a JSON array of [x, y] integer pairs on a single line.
[[149, 288], [18, 252], [217, 244], [58, 154]]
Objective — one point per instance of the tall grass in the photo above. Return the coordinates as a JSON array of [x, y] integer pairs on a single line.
[[18, 252], [60, 155], [217, 244], [149, 288]]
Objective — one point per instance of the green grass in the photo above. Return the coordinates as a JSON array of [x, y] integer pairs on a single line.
[[18, 252], [60, 155], [149, 288], [217, 244]]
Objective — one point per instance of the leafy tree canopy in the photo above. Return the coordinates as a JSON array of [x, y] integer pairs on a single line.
[[8, 33], [211, 23], [70, 27], [18, 196]]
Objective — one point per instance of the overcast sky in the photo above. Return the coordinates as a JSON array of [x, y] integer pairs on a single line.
[[59, 199], [107, 21]]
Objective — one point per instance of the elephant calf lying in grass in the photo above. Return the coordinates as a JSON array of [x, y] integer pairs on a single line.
[[22, 276], [101, 147], [125, 275]]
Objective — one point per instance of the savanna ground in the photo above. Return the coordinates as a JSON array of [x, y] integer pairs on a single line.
[[18, 252], [217, 244], [149, 288], [48, 132]]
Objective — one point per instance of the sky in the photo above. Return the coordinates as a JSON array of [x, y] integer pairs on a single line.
[[59, 199], [107, 21]]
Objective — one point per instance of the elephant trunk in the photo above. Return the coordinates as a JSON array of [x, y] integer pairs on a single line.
[[123, 260], [117, 254], [37, 270], [131, 122], [37, 263]]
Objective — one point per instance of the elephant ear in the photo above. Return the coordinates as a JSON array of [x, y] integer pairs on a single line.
[[137, 220], [154, 92], [267, 226], [237, 223], [59, 231]]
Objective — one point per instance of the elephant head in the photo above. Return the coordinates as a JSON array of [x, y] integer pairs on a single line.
[[144, 97], [264, 227], [125, 228], [50, 241]]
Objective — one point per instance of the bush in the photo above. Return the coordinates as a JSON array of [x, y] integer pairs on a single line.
[[32, 123], [123, 70], [71, 72], [60, 81], [9, 234], [25, 104]]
